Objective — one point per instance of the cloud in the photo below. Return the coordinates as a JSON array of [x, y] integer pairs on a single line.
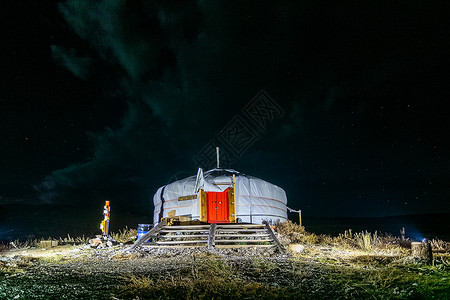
[[79, 66], [139, 36], [184, 71]]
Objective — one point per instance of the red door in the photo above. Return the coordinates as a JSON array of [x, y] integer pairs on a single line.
[[217, 205]]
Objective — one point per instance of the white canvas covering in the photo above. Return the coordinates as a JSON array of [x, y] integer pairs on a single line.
[[256, 200]]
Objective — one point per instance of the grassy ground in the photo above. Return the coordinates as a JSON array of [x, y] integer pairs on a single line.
[[349, 266]]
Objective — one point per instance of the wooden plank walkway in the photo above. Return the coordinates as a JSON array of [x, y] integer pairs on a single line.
[[211, 236]]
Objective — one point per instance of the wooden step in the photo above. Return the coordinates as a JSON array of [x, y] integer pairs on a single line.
[[172, 246], [240, 235], [225, 235], [180, 242], [240, 230], [239, 225], [241, 246], [183, 236], [187, 227], [243, 241], [184, 231]]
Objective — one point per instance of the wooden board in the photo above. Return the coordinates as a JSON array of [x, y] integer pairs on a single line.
[[244, 241]]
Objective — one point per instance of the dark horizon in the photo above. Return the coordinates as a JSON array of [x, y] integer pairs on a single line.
[[35, 221], [344, 106]]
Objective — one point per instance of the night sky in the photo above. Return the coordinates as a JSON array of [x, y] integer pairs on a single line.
[[113, 99]]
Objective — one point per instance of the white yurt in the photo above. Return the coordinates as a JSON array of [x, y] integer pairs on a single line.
[[221, 196]]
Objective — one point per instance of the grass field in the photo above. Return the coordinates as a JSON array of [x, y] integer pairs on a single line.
[[360, 265]]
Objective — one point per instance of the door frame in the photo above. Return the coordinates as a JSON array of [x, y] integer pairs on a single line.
[[231, 204]]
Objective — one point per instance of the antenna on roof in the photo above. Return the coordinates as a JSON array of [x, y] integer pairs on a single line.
[[217, 152]]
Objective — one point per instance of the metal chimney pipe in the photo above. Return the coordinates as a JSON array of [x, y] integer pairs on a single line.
[[217, 152]]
